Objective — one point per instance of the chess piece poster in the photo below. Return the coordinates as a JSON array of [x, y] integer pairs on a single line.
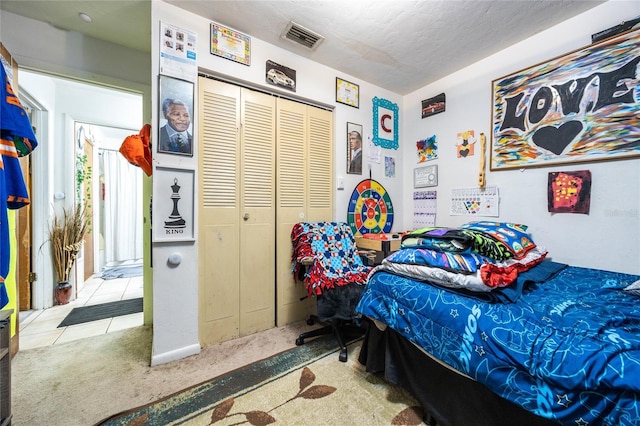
[[173, 205]]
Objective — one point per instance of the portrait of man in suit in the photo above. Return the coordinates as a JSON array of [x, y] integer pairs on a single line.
[[175, 136], [175, 130], [354, 148]]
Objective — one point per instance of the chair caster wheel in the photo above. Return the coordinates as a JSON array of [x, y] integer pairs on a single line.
[[310, 321], [299, 341], [343, 357]]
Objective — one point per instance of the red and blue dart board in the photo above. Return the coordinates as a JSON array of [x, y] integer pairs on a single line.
[[370, 209]]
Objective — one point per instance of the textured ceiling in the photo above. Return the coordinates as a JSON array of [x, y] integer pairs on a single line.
[[399, 45]]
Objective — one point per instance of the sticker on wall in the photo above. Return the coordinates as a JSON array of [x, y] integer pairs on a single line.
[[569, 192], [370, 209], [466, 143], [427, 149]]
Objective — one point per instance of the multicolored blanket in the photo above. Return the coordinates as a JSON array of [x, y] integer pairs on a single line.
[[334, 259]]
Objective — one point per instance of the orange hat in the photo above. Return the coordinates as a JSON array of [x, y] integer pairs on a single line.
[[137, 149]]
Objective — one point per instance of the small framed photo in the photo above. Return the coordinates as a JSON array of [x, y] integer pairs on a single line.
[[230, 44], [279, 75], [175, 134], [354, 149], [425, 176], [173, 206], [347, 93], [434, 105]]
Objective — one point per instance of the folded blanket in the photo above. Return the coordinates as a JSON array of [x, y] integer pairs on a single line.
[[335, 260]]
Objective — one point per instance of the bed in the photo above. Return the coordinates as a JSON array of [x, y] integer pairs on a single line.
[[483, 327]]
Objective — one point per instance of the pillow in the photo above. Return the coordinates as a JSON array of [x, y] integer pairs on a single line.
[[466, 263], [513, 236], [634, 288]]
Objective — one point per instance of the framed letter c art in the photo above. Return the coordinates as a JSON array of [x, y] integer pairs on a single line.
[[385, 123]]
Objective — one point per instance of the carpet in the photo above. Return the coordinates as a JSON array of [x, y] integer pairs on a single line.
[[306, 385], [101, 311], [122, 272]]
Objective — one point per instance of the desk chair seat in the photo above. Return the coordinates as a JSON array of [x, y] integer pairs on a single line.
[[325, 258]]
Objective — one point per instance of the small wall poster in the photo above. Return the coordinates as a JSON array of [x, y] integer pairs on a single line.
[[466, 143], [569, 192], [475, 202], [389, 167], [427, 149]]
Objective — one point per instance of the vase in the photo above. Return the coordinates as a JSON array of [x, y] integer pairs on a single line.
[[63, 292]]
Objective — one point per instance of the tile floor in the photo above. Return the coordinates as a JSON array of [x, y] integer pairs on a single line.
[[40, 328]]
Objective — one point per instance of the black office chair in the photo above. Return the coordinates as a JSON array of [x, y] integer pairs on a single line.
[[327, 261]]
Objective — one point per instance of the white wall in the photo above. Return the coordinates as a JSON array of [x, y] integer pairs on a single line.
[[608, 237], [175, 288]]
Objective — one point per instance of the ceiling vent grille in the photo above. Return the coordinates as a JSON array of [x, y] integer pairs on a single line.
[[301, 35]]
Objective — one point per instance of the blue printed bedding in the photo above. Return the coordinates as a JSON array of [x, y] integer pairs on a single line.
[[564, 344]]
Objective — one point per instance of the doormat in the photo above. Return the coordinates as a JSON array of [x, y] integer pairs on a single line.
[[104, 310], [122, 272]]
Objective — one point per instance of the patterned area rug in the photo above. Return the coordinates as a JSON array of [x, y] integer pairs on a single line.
[[303, 386]]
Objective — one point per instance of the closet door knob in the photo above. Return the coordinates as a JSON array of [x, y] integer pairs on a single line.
[[245, 216]]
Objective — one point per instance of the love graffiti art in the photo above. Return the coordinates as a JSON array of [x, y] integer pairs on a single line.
[[579, 107]]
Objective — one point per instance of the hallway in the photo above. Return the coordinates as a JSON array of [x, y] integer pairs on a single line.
[[40, 328]]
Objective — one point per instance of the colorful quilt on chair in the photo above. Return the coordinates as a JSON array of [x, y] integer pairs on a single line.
[[335, 260]]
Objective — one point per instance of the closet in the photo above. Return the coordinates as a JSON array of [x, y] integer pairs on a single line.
[[265, 163]]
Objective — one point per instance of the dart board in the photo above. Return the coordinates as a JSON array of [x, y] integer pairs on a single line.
[[370, 209]]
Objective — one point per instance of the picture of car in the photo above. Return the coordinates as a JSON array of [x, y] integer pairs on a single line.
[[279, 78]]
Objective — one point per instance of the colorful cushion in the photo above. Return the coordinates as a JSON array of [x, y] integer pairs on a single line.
[[513, 236]]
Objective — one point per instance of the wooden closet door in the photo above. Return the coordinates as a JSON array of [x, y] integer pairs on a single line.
[[258, 212], [237, 211], [219, 207], [305, 192]]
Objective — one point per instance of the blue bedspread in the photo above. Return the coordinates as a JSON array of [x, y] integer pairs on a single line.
[[568, 350]]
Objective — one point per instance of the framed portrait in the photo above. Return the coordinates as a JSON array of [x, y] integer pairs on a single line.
[[175, 128], [579, 107], [425, 176], [173, 206], [230, 44], [354, 149], [347, 93], [385, 123]]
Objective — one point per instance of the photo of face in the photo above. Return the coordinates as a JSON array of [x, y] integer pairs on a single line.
[[178, 117]]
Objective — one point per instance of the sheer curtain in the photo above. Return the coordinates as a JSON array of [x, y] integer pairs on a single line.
[[122, 209]]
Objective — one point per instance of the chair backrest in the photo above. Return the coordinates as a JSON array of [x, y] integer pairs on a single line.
[[332, 247]]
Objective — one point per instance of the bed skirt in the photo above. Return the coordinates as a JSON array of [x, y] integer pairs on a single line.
[[446, 396]]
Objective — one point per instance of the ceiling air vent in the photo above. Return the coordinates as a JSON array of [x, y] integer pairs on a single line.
[[301, 35]]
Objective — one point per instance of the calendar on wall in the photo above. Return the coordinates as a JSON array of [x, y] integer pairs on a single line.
[[475, 201], [424, 209]]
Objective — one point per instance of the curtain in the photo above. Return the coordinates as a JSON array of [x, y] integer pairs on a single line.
[[122, 209]]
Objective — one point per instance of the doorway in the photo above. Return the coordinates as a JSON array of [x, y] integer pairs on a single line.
[[107, 116]]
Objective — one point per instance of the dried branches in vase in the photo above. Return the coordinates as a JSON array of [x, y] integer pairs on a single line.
[[65, 235]]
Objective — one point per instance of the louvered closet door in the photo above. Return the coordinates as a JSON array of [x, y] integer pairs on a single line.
[[258, 212], [304, 170], [237, 212], [219, 217]]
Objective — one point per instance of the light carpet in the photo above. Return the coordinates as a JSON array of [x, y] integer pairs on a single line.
[[302, 386]]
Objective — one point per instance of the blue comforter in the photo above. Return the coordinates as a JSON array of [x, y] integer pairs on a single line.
[[568, 349]]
